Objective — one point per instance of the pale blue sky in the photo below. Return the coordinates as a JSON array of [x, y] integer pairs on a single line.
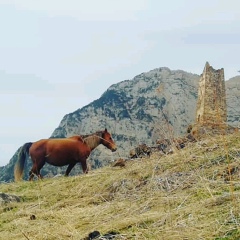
[[57, 56]]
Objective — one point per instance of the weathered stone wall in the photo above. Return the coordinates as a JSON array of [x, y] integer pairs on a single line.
[[211, 105]]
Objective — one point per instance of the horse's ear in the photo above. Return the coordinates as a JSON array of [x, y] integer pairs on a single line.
[[105, 129]]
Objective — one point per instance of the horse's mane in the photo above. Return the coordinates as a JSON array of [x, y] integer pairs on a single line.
[[93, 139], [98, 133]]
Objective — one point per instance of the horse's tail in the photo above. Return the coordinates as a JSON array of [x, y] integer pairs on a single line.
[[19, 166]]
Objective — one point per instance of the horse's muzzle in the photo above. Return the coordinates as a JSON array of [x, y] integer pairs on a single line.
[[114, 149]]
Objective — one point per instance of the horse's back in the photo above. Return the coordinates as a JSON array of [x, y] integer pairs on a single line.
[[60, 151], [66, 150], [68, 144], [77, 137]]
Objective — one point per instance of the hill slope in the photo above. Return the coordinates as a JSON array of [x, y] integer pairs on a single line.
[[193, 193]]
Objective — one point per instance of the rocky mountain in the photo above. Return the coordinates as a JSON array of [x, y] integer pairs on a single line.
[[233, 101], [157, 104]]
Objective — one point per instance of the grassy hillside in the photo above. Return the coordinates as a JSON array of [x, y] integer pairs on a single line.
[[193, 193]]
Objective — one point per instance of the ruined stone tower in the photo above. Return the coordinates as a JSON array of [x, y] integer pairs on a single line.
[[211, 113], [211, 105]]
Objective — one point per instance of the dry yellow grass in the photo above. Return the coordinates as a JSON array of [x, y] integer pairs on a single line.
[[191, 194]]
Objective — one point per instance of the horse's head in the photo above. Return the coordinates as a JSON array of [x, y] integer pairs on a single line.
[[107, 141]]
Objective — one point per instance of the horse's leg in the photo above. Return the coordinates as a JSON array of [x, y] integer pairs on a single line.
[[32, 172], [37, 166], [69, 168], [84, 166], [31, 175]]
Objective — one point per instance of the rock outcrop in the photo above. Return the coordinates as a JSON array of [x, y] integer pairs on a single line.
[[233, 100], [7, 198]]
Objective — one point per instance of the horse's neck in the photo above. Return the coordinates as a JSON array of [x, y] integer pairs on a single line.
[[92, 141]]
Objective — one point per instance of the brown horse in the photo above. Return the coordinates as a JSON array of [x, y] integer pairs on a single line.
[[61, 152]]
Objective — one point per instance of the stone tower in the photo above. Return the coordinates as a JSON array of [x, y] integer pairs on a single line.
[[211, 104]]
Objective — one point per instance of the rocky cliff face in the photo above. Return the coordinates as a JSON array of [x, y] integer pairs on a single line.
[[233, 101], [157, 104]]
